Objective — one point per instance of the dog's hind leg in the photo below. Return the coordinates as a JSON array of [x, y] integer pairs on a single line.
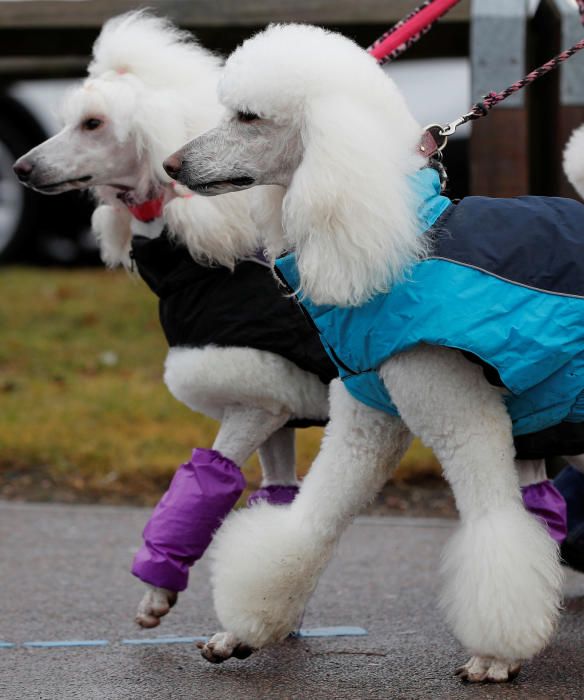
[[278, 459], [502, 575], [200, 496], [244, 429], [267, 560]]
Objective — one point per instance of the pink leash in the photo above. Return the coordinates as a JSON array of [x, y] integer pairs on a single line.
[[435, 137], [412, 27], [408, 30]]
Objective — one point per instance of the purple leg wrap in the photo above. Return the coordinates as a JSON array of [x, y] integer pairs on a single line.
[[274, 494], [547, 503], [200, 495]]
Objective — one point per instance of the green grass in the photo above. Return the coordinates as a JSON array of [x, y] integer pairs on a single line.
[[85, 415]]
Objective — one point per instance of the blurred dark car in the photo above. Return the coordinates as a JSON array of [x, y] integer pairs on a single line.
[[34, 227]]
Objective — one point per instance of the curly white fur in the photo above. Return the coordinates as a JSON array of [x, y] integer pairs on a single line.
[[157, 87], [152, 87], [165, 91], [513, 621], [574, 160], [339, 111], [112, 228], [347, 213], [260, 592], [208, 379], [501, 591], [501, 594]]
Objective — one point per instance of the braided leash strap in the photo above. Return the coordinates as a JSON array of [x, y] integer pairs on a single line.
[[435, 137], [480, 109], [409, 30]]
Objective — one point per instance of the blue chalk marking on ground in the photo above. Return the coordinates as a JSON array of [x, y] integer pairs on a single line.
[[331, 632], [165, 640], [67, 643]]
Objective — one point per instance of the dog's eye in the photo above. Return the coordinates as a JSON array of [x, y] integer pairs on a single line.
[[247, 117], [91, 124]]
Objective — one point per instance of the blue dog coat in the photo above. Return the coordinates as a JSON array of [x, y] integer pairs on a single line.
[[504, 283]]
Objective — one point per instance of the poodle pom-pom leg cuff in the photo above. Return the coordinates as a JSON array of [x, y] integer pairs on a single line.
[[200, 495]]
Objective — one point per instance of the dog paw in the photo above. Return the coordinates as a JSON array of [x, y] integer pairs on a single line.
[[223, 646], [485, 669], [155, 604]]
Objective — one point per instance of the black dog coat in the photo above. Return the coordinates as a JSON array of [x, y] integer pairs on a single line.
[[213, 305]]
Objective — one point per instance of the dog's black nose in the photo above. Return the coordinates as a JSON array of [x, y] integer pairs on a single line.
[[23, 169], [173, 165]]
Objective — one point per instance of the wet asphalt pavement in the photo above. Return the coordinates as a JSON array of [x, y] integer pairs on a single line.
[[64, 576]]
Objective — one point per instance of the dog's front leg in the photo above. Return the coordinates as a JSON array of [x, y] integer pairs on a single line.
[[502, 575], [267, 560], [156, 603], [201, 494], [223, 646]]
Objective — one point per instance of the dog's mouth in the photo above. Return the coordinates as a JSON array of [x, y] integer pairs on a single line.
[[54, 186], [209, 187]]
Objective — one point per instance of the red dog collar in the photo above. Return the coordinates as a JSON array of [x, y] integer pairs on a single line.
[[147, 211]]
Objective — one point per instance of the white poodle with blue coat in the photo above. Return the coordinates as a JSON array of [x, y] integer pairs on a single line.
[[435, 328]]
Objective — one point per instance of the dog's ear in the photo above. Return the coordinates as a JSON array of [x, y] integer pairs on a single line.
[[111, 226], [348, 212]]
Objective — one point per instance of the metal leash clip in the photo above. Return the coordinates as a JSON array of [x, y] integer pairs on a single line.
[[478, 110], [435, 136], [449, 129], [433, 141]]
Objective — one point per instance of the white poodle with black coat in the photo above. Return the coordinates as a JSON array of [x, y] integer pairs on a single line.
[[379, 264], [239, 352]]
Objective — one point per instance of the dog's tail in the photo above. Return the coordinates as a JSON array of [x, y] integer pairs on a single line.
[[574, 160]]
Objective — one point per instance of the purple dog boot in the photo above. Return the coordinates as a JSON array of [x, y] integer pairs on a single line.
[[547, 503], [274, 494], [200, 495]]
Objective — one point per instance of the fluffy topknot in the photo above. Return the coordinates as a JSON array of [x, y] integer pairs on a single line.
[[149, 47]]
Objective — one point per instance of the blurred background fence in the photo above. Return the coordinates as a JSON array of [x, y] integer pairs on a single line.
[[479, 46], [85, 414]]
